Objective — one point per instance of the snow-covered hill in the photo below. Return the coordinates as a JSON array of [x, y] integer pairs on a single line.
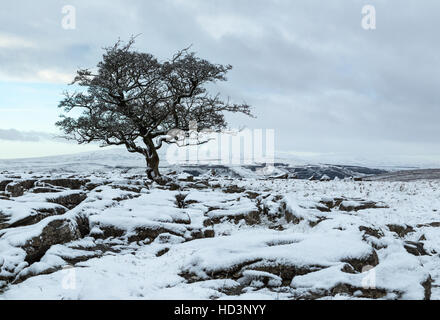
[[91, 226], [119, 160]]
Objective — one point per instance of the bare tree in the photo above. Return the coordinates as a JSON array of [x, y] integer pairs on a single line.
[[135, 100]]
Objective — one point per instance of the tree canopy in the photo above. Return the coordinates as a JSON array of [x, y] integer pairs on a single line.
[[135, 100]]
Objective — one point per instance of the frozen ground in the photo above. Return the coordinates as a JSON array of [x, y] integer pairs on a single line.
[[85, 228]]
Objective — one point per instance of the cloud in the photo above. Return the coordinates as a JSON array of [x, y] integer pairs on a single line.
[[39, 76], [220, 26], [308, 68], [54, 76], [10, 41], [29, 136]]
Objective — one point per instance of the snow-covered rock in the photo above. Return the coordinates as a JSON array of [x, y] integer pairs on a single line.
[[205, 235]]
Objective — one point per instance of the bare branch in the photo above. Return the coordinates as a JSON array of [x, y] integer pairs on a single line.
[[132, 99]]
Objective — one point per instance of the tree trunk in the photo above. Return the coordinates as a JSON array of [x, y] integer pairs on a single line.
[[153, 167], [152, 160]]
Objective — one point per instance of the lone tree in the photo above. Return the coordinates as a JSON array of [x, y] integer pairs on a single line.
[[133, 99]]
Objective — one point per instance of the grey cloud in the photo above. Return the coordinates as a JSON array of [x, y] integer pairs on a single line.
[[311, 71], [29, 136]]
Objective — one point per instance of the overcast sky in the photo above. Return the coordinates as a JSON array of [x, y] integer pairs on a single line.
[[312, 73]]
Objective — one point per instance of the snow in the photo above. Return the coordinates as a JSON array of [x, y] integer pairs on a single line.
[[275, 257], [21, 209]]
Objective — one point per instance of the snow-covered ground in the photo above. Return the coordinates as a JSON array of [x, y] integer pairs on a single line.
[[87, 228]]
